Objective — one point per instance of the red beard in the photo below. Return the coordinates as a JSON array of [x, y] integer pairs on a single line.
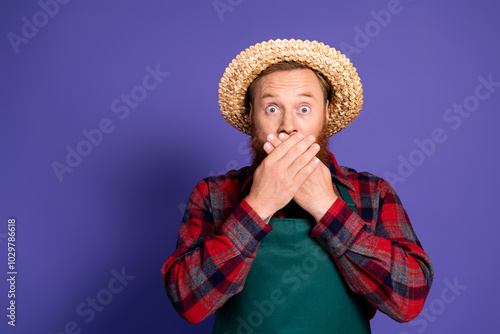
[[259, 154]]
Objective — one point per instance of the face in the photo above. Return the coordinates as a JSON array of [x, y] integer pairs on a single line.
[[288, 102]]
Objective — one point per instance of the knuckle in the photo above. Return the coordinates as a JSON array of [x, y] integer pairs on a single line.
[[294, 150], [266, 163], [310, 168], [307, 169], [302, 160]]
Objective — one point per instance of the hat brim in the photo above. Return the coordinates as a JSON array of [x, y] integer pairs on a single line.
[[347, 95]]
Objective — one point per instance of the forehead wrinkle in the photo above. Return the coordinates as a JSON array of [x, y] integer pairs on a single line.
[[272, 90], [272, 87]]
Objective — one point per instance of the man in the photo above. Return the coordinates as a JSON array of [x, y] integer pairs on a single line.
[[294, 243]]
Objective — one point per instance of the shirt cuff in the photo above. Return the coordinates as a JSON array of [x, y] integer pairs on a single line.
[[245, 228], [338, 227]]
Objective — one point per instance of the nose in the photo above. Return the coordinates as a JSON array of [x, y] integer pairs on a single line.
[[287, 125]]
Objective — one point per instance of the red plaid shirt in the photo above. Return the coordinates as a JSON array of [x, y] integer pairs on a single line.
[[376, 251]]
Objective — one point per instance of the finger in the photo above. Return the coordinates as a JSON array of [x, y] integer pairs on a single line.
[[271, 143], [283, 136], [281, 149], [296, 150], [306, 171], [274, 141], [301, 161]]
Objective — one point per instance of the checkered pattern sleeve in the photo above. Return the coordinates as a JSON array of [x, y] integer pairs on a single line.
[[212, 259], [378, 253]]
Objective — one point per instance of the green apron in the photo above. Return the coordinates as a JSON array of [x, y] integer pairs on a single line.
[[294, 287]]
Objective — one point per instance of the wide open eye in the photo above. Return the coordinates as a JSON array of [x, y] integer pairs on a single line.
[[271, 109], [304, 110]]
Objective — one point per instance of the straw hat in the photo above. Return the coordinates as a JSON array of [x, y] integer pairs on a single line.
[[347, 97]]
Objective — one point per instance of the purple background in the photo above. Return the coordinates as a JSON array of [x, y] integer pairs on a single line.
[[121, 206]]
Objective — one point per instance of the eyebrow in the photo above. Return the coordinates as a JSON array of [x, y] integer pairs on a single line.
[[305, 94]]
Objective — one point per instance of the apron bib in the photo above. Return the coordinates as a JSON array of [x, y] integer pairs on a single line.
[[293, 287]]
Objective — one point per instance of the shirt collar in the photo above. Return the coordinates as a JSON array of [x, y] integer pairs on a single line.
[[337, 175]]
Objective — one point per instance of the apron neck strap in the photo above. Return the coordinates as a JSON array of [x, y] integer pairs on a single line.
[[344, 193]]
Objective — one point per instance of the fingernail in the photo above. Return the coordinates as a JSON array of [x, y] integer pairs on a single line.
[[311, 138], [267, 146], [316, 146], [300, 135], [282, 136], [270, 137]]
